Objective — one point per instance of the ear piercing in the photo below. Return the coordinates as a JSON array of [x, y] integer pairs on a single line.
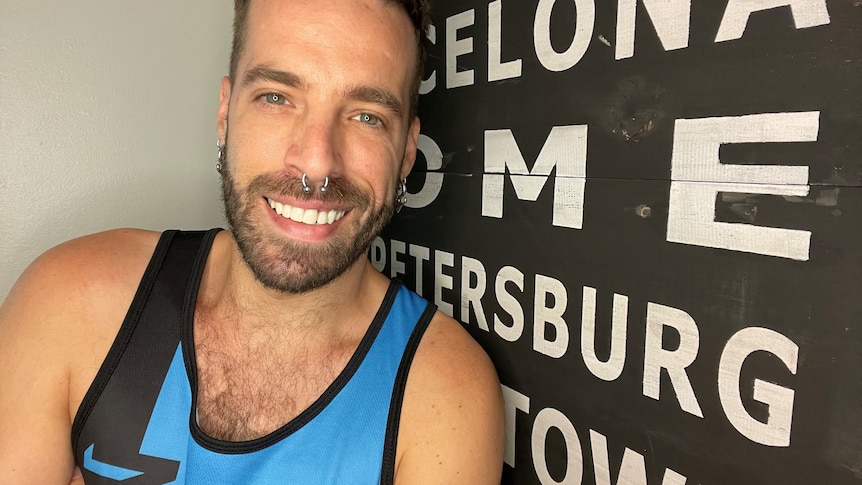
[[401, 195], [219, 155]]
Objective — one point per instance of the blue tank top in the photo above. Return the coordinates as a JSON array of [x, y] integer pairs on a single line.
[[136, 424]]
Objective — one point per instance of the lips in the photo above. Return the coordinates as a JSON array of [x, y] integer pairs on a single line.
[[305, 216]]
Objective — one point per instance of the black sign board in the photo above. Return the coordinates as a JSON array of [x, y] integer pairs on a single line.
[[649, 213]]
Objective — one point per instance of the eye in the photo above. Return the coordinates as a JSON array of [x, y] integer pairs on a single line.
[[274, 98], [369, 119]]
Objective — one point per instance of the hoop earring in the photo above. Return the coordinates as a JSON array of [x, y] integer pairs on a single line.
[[219, 156], [401, 195]]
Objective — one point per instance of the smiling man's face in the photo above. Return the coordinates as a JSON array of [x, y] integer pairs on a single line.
[[321, 89]]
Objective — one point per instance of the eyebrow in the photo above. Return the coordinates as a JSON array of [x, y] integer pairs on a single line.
[[367, 94], [261, 73], [374, 95]]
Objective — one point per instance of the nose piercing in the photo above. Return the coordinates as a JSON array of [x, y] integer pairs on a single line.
[[307, 189]]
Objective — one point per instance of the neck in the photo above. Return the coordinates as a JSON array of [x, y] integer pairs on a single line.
[[231, 293]]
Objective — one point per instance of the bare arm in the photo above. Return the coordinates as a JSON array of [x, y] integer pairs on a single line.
[[452, 425], [35, 444], [56, 326]]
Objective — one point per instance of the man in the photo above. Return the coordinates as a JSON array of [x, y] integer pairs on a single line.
[[273, 353]]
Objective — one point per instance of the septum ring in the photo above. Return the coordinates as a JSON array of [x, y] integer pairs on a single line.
[[307, 189]]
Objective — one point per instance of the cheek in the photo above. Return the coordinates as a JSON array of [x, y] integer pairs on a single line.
[[372, 162], [254, 151], [379, 172]]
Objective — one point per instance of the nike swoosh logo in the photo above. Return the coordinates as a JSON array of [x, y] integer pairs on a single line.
[[106, 470]]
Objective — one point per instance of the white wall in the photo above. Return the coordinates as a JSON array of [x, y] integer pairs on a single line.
[[107, 119]]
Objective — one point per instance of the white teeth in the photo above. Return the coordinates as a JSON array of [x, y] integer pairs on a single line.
[[310, 216], [295, 214], [306, 216]]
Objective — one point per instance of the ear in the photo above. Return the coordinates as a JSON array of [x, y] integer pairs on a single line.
[[410, 149], [223, 104]]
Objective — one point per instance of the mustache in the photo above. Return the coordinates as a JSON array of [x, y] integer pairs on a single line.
[[339, 190]]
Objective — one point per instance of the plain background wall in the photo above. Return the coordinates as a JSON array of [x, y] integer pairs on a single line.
[[107, 119]]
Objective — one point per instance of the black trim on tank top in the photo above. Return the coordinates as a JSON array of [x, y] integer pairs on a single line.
[[390, 442], [124, 335], [250, 446]]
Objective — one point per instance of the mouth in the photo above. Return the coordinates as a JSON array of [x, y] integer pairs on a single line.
[[311, 217]]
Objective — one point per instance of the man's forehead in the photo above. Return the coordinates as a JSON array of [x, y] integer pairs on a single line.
[[390, 14], [371, 20], [374, 37]]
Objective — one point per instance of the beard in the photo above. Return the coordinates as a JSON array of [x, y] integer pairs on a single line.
[[292, 266]]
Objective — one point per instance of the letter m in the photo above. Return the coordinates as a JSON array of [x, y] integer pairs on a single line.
[[564, 150]]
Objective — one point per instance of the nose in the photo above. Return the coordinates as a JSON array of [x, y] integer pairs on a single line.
[[314, 152]]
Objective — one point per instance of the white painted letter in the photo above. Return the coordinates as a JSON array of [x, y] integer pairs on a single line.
[[565, 148], [776, 430], [543, 315], [428, 85], [472, 295], [378, 254], [611, 369], [421, 254], [396, 267], [433, 181], [442, 280], [551, 418], [806, 13], [513, 401], [632, 468], [455, 48], [671, 19], [585, 20], [509, 303], [697, 176], [674, 361], [498, 70]]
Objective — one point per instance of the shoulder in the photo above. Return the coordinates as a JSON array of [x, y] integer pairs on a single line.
[[73, 273], [69, 303], [445, 343], [56, 326], [90, 255], [77, 287], [67, 306], [452, 425], [83, 274]]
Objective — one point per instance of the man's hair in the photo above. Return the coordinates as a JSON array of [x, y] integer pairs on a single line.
[[417, 10]]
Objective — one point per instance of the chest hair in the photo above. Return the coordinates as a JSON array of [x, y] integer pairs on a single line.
[[249, 387]]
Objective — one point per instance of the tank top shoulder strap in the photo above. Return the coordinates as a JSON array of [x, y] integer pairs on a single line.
[[149, 335], [420, 311]]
